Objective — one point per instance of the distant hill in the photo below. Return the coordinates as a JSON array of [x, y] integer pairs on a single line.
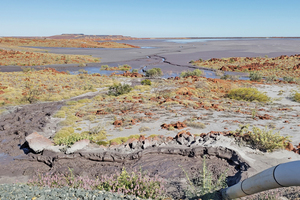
[[93, 37]]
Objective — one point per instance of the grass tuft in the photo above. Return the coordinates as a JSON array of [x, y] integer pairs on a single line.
[[248, 94]]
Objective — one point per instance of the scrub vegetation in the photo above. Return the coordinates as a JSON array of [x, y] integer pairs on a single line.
[[19, 51], [281, 66]]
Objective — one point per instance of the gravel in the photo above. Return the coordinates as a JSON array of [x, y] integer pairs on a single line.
[[22, 191]]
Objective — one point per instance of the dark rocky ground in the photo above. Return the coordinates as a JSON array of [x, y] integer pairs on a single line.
[[17, 160]]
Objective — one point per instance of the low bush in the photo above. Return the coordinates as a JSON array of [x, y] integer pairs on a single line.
[[266, 140], [193, 124], [119, 89], [255, 76], [271, 79], [144, 128], [296, 96], [121, 140], [134, 70], [146, 82], [154, 72], [204, 185], [67, 136], [230, 77], [124, 67], [135, 183], [248, 94], [263, 139], [27, 69], [196, 72], [288, 79], [60, 114]]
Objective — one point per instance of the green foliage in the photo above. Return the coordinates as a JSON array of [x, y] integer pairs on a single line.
[[193, 124], [146, 82], [67, 136], [205, 186], [135, 183], [144, 128], [230, 77], [154, 72], [104, 67], [296, 96], [31, 93], [60, 114], [124, 67], [27, 69], [267, 141], [263, 139], [196, 72], [248, 94], [138, 183], [135, 71], [288, 79], [121, 140], [82, 65], [271, 79], [255, 76], [119, 89]]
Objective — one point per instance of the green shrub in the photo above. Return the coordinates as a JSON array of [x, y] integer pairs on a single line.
[[263, 139], [27, 69], [255, 76], [135, 71], [193, 124], [196, 72], [60, 114], [248, 94], [137, 183], [146, 82], [267, 141], [288, 79], [124, 67], [67, 135], [144, 128], [119, 89], [154, 72], [271, 79], [230, 77], [296, 96], [104, 67], [204, 185]]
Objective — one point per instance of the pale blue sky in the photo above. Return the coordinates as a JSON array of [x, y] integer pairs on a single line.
[[152, 18]]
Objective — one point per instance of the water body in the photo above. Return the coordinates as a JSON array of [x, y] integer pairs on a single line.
[[173, 56]]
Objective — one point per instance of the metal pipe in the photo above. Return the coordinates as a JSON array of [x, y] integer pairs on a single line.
[[282, 175]]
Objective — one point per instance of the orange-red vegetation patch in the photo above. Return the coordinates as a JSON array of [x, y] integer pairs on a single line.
[[178, 125], [278, 66]]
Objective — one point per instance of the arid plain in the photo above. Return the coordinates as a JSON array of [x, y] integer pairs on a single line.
[[166, 126]]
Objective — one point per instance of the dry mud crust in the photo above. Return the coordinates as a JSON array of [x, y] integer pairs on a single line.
[[167, 162], [22, 121]]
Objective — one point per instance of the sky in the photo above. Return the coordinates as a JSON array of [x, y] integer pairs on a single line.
[[151, 18]]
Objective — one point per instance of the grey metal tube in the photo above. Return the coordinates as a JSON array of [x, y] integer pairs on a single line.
[[283, 175]]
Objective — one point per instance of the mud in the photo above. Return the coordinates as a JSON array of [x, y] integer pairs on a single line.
[[18, 161]]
